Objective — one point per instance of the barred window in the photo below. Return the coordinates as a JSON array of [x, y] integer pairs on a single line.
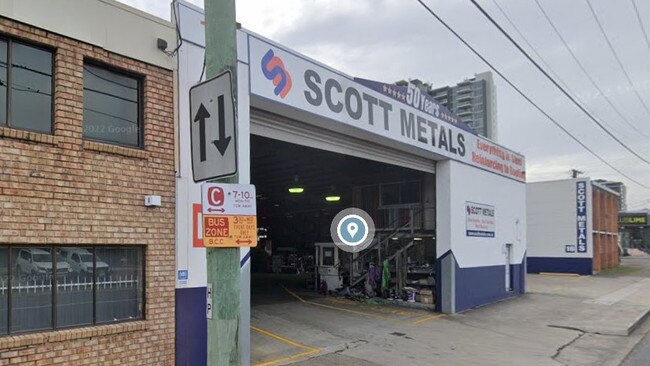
[[56, 287]]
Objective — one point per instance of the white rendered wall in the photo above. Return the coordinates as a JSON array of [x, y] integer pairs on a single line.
[[552, 218], [458, 183], [108, 24]]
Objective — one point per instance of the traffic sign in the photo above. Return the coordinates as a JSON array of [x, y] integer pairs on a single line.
[[212, 127], [229, 215]]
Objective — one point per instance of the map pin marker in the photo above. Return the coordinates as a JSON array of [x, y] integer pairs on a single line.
[[352, 229]]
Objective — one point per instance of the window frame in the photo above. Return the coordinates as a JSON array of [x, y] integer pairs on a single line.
[[54, 285], [52, 50], [128, 73]]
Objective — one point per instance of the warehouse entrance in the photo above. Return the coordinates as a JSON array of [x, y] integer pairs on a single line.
[[299, 191]]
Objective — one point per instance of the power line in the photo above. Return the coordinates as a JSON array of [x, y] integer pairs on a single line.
[[556, 123], [584, 70], [546, 64], [109, 80], [618, 60], [549, 77], [643, 31]]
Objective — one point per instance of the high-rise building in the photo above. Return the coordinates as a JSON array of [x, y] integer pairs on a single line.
[[474, 101], [617, 187]]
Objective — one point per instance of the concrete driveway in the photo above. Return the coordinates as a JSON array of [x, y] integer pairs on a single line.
[[560, 321]]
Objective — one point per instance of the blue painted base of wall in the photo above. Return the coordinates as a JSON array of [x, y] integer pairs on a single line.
[[191, 327], [478, 286], [581, 266]]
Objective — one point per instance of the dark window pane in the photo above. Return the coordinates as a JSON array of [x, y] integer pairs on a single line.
[[31, 289], [390, 194], [3, 83], [74, 291], [120, 287], [4, 287], [31, 88], [328, 256], [111, 111], [411, 192]]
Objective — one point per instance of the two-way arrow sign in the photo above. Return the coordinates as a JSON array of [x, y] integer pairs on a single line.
[[212, 129]]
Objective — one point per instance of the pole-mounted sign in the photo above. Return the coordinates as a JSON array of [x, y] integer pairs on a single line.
[[229, 215], [212, 118]]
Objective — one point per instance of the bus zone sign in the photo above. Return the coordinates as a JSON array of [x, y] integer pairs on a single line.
[[229, 215]]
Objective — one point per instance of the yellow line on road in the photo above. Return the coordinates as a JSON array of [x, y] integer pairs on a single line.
[[308, 350], [559, 274], [379, 308], [426, 319], [369, 315]]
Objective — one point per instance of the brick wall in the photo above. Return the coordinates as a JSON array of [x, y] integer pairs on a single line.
[[605, 228], [60, 189]]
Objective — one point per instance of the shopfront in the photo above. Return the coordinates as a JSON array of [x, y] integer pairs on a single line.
[[314, 141]]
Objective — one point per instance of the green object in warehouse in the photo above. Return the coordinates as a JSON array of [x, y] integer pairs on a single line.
[[385, 276]]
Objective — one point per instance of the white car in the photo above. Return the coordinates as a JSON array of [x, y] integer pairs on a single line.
[[80, 261], [33, 261]]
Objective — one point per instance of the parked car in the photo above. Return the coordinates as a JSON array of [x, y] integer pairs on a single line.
[[81, 262], [34, 261]]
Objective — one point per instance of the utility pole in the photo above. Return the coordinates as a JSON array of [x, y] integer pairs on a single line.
[[223, 263], [575, 173]]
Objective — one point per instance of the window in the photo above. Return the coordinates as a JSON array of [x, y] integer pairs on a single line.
[[54, 287], [400, 193], [27, 104], [112, 107]]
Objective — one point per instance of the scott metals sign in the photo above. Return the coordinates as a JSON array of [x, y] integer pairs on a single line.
[[285, 77]]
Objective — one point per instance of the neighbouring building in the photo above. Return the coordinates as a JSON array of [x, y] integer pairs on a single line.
[[474, 101], [86, 136], [634, 229], [618, 187], [572, 226]]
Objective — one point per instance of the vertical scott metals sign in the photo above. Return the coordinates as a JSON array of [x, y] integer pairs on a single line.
[[581, 216], [285, 77], [229, 215]]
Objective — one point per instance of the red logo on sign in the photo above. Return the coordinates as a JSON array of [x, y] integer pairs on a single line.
[[215, 196]]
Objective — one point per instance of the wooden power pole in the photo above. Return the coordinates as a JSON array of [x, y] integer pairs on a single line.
[[223, 263]]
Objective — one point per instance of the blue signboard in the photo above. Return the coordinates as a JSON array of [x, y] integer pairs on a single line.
[[581, 216], [183, 275]]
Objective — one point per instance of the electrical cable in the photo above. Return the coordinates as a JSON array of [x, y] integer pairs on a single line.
[[550, 78], [178, 31], [109, 80], [643, 31], [584, 70], [556, 123], [549, 68], [618, 60]]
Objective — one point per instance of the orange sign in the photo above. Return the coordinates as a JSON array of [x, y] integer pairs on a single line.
[[229, 231]]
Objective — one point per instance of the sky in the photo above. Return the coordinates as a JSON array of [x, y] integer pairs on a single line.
[[391, 40]]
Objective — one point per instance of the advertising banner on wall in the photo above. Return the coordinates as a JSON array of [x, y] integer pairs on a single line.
[[479, 220], [285, 77]]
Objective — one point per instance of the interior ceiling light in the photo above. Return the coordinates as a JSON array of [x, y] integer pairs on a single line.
[[296, 188], [332, 196]]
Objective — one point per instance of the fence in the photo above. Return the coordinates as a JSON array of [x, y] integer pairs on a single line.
[[116, 298]]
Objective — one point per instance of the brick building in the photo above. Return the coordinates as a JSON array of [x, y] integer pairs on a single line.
[[87, 130]]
